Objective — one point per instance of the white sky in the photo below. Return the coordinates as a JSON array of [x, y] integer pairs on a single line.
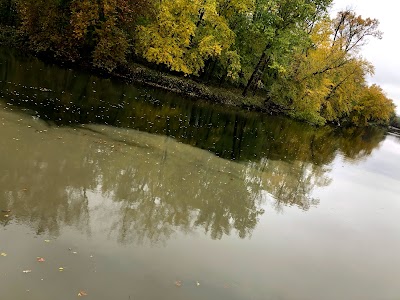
[[384, 54]]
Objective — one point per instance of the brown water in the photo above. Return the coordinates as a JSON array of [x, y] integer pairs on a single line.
[[138, 194]]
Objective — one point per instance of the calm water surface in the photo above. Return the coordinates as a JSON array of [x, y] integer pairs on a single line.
[[139, 194]]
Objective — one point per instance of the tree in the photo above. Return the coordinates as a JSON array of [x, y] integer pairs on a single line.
[[325, 80], [283, 25], [103, 27], [184, 35], [45, 23], [96, 31], [8, 12], [395, 121], [350, 31], [373, 107]]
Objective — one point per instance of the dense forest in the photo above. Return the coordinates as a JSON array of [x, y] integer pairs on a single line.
[[289, 52]]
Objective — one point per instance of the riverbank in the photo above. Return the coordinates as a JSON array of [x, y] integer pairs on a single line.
[[188, 87], [137, 73], [147, 74]]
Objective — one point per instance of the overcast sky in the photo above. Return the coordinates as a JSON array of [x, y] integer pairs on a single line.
[[384, 54]]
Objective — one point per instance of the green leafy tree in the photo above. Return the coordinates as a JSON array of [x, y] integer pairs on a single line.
[[282, 27]]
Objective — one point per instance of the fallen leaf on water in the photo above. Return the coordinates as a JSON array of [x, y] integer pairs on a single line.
[[27, 271], [82, 294], [40, 259], [3, 254], [60, 269], [47, 241], [178, 283]]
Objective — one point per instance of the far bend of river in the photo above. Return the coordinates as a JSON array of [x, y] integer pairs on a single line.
[[130, 193]]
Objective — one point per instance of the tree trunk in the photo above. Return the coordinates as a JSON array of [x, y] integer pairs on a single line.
[[253, 76], [260, 65]]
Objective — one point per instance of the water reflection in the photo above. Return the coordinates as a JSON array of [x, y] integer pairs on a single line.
[[61, 166], [66, 97], [140, 187]]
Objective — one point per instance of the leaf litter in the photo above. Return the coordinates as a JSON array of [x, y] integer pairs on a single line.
[[82, 294], [178, 283]]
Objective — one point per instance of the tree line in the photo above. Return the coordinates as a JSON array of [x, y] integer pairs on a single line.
[[289, 52]]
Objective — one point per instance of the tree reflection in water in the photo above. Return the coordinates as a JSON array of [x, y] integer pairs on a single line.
[[142, 187]]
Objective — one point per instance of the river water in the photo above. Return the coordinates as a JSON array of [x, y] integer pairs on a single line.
[[114, 191]]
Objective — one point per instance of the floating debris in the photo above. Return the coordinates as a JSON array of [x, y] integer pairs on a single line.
[[178, 283], [6, 211], [40, 259], [197, 283], [27, 271], [3, 254], [82, 294], [45, 90], [60, 269], [47, 241]]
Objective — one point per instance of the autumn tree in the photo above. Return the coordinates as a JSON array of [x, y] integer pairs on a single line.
[[282, 27], [98, 27], [96, 31], [373, 107], [45, 23], [184, 35], [326, 80]]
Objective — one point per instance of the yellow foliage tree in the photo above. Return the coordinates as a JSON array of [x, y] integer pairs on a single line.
[[328, 80], [184, 35], [373, 107]]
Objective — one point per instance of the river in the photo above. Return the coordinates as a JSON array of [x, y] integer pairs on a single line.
[[114, 191]]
